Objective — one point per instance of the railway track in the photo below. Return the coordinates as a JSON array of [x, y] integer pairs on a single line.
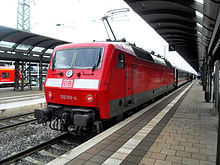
[[61, 144], [18, 120]]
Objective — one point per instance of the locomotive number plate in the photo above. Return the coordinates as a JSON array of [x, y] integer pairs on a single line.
[[68, 83], [66, 97]]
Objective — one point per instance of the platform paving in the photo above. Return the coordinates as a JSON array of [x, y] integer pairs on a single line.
[[181, 129], [190, 137]]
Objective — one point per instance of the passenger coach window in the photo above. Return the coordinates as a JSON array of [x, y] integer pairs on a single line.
[[5, 75], [121, 61]]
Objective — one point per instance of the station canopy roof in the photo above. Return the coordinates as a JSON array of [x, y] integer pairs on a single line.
[[22, 42], [191, 27]]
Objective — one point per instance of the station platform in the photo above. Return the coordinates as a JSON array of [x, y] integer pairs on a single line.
[[10, 92], [180, 128], [16, 102]]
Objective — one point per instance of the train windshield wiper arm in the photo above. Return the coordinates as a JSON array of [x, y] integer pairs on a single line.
[[98, 61], [53, 64]]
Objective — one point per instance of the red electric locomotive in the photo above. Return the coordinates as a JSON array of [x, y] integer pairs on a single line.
[[92, 82]]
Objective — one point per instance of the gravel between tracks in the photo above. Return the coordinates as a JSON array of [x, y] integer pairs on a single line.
[[18, 139]]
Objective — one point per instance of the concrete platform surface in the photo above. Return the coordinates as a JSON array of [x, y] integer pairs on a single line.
[[17, 102], [180, 128], [10, 92]]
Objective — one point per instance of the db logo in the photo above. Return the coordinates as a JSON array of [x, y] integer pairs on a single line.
[[67, 83]]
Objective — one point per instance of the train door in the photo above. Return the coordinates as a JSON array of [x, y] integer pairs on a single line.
[[129, 67]]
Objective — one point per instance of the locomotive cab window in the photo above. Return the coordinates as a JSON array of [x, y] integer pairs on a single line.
[[78, 58], [121, 61], [5, 75]]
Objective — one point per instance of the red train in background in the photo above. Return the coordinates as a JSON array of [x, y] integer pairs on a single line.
[[7, 75], [89, 83]]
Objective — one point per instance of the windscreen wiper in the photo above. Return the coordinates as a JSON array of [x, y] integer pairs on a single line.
[[53, 64], [98, 61]]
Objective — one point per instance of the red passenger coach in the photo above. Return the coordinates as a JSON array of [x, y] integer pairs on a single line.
[[7, 75], [89, 83]]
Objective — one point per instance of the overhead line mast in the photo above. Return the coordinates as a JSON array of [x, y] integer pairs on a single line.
[[23, 15], [23, 77]]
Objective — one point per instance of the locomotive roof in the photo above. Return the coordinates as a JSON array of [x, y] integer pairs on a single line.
[[118, 45], [125, 47], [146, 55], [140, 53]]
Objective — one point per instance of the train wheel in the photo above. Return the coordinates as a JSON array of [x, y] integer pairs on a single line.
[[120, 117], [79, 131], [98, 126]]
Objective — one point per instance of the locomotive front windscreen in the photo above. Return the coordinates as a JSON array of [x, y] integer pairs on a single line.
[[77, 58]]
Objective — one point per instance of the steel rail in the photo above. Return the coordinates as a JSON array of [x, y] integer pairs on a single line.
[[32, 150], [18, 124], [16, 116]]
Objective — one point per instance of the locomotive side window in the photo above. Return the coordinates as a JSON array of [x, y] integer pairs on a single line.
[[121, 61], [78, 58], [5, 75]]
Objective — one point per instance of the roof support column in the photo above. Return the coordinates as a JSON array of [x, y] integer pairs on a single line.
[[40, 74], [216, 85], [29, 76], [217, 101], [22, 75], [218, 142], [203, 76], [17, 76], [208, 81]]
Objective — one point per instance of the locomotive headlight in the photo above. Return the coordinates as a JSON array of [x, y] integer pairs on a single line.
[[50, 95], [89, 98]]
